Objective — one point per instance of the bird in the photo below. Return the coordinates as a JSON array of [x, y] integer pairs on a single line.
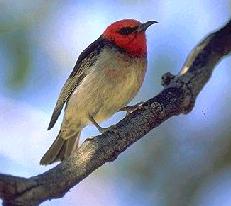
[[106, 77]]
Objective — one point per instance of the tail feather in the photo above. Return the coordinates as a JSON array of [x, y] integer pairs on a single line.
[[60, 149], [70, 146]]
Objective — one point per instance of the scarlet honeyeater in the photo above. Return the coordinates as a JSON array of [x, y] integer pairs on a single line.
[[107, 75]]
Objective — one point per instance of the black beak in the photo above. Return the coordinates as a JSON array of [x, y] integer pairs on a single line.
[[144, 26]]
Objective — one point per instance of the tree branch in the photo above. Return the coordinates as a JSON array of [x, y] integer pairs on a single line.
[[177, 97]]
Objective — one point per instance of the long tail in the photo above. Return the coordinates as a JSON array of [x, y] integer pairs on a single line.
[[60, 149]]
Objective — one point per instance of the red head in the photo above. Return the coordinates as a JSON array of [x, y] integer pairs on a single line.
[[129, 34]]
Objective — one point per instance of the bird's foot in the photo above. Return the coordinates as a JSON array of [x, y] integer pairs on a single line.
[[100, 129], [130, 109]]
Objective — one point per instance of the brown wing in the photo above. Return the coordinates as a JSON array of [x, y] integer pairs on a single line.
[[86, 59]]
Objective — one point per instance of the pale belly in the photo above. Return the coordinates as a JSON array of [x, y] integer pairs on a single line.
[[103, 93]]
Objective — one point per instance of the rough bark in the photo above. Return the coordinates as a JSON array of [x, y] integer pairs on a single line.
[[177, 97]]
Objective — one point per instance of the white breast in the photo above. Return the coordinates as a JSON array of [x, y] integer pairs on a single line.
[[113, 81]]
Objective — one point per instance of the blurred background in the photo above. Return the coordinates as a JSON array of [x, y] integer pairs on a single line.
[[184, 162]]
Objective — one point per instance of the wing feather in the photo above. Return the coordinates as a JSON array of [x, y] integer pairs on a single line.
[[86, 59]]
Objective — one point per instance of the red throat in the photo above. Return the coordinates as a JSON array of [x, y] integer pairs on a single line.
[[134, 44]]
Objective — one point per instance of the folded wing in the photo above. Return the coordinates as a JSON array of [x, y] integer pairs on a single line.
[[83, 66]]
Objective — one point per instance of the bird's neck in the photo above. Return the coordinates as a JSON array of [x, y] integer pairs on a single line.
[[136, 47], [132, 46]]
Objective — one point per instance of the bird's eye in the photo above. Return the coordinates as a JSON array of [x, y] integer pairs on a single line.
[[127, 30]]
